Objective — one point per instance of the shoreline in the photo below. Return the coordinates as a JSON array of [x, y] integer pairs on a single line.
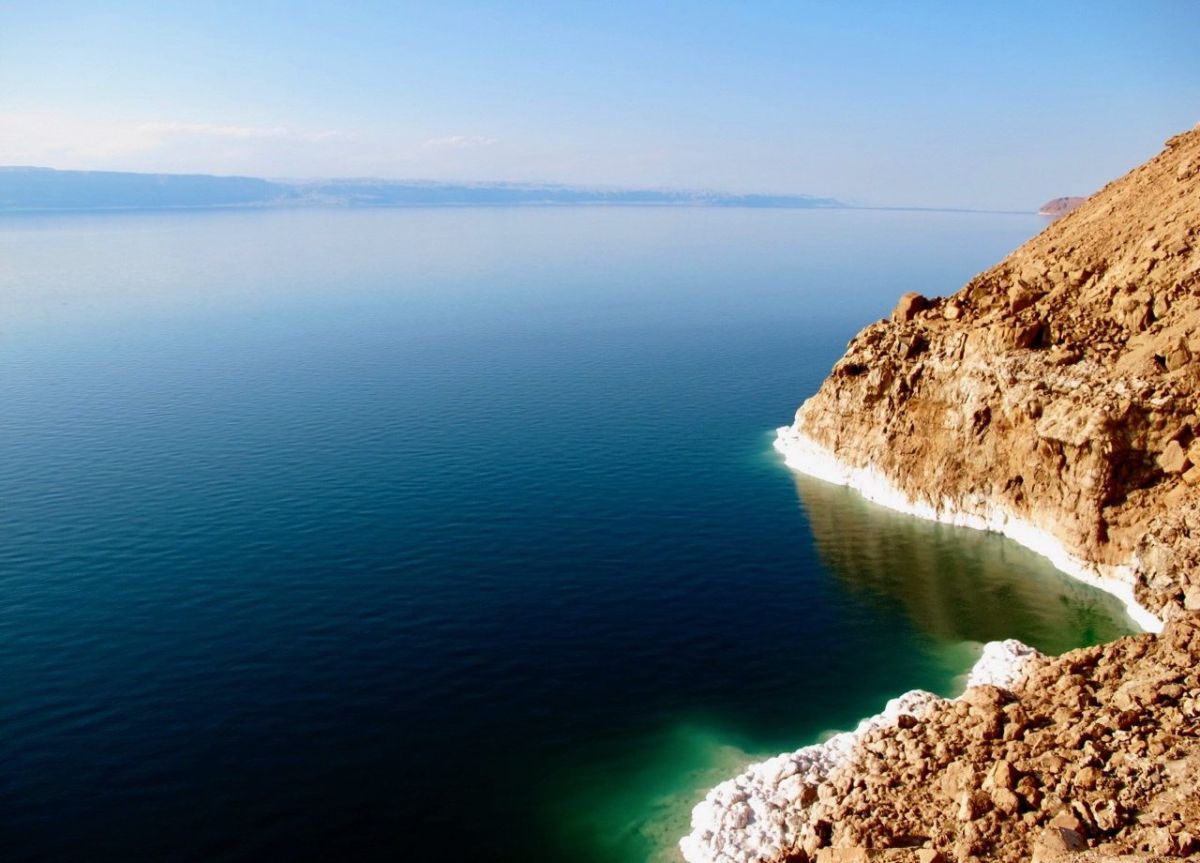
[[754, 816], [805, 455], [757, 814], [1097, 749]]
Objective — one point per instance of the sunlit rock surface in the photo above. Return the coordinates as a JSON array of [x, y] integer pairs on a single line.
[[1054, 399]]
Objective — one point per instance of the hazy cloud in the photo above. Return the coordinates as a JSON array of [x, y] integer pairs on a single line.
[[459, 142], [213, 130], [37, 138]]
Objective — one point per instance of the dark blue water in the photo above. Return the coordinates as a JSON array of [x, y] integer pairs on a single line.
[[451, 534]]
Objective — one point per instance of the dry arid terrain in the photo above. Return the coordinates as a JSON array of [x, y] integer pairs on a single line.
[[1094, 755], [1061, 386], [1058, 391]]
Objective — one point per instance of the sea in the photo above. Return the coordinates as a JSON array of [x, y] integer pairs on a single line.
[[454, 533]]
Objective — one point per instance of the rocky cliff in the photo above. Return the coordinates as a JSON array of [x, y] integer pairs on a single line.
[[1055, 398]]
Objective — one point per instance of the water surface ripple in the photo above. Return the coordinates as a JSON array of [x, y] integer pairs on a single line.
[[451, 534]]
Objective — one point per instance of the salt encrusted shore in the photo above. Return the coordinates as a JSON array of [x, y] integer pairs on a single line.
[[805, 455], [759, 814], [1053, 399]]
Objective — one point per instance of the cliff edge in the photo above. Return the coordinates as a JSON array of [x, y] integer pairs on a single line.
[[1053, 398], [1056, 399]]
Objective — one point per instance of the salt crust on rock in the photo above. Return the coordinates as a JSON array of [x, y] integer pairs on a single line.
[[807, 456], [757, 815]]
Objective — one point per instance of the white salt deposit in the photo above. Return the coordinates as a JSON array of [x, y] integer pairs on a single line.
[[807, 456], [759, 814]]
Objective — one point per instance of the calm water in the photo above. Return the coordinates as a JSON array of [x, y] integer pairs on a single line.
[[452, 534]]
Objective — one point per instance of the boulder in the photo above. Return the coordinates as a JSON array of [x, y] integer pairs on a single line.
[[1006, 801], [972, 805], [1025, 335], [1173, 458], [1003, 775], [910, 305], [1062, 355], [1055, 843], [1021, 297], [1177, 356]]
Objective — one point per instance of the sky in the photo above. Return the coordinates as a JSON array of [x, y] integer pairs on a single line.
[[963, 104]]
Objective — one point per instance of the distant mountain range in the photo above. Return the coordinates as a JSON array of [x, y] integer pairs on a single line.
[[39, 189], [1060, 206]]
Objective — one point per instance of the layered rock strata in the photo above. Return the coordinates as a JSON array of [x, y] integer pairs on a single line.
[[1055, 398]]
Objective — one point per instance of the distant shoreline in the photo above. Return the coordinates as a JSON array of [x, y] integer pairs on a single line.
[[516, 205], [29, 190]]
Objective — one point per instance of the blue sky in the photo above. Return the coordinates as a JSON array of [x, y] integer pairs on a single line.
[[960, 104]]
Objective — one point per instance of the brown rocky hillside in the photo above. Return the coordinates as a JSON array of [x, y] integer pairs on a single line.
[[1062, 386], [1056, 397], [1094, 757]]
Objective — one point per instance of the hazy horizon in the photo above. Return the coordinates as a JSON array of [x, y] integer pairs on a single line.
[[397, 401], [559, 193], [921, 105]]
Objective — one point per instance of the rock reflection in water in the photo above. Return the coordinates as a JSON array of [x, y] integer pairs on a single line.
[[956, 584]]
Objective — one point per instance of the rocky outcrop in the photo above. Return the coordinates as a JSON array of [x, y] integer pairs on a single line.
[[1097, 749], [1055, 398], [1040, 758], [775, 807]]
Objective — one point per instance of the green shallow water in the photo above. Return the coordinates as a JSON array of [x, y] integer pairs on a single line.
[[954, 584], [959, 588]]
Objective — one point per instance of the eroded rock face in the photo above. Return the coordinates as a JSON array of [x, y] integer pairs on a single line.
[[1060, 388], [1055, 398]]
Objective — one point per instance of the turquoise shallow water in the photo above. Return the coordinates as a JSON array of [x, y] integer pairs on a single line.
[[452, 533]]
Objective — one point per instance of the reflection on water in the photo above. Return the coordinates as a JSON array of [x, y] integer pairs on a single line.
[[954, 583]]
